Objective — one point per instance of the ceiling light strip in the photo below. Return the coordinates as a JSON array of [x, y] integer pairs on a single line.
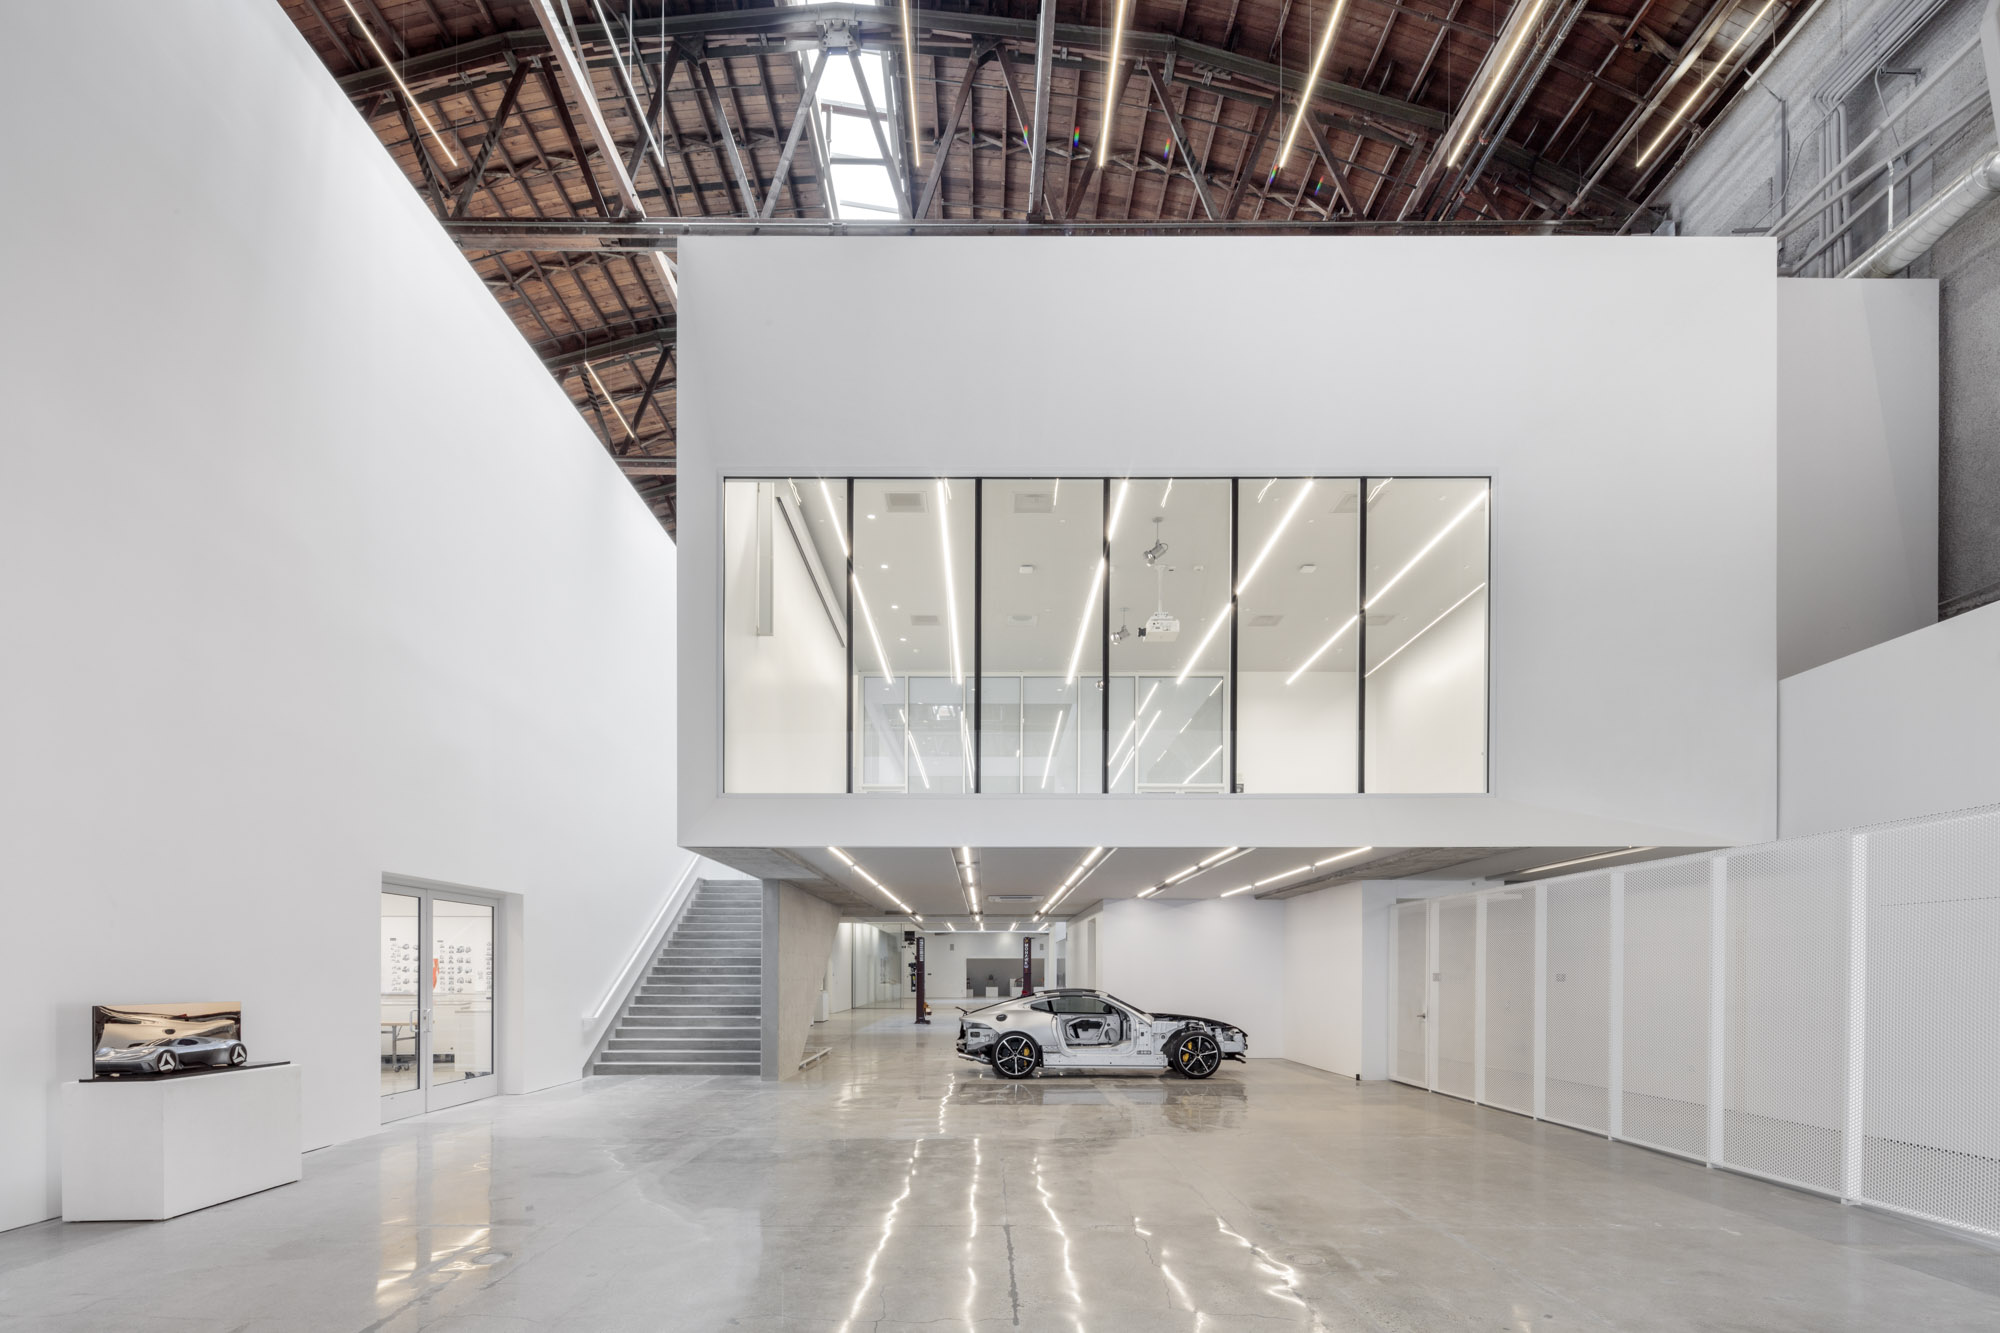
[[1276, 533], [944, 528], [862, 871], [1321, 651], [1420, 633], [1049, 763], [1083, 627], [1496, 78], [389, 68], [840, 535], [1429, 546], [1585, 860], [1312, 81], [881, 655], [1111, 83], [1695, 96], [1117, 508], [910, 85]]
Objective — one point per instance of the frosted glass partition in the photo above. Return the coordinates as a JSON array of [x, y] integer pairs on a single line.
[[1823, 1012], [1146, 635]]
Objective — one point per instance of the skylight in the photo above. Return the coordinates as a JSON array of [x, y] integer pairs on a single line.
[[862, 184]]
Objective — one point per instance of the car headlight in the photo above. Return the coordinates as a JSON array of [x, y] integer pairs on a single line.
[[103, 1051]]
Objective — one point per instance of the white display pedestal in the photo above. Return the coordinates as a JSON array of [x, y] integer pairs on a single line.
[[140, 1149]]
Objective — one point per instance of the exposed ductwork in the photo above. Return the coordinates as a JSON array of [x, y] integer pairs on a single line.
[[1916, 234]]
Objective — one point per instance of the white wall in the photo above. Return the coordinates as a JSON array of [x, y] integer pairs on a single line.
[[1633, 551], [1299, 737], [313, 575], [786, 697], [1908, 727], [1425, 703], [1857, 465], [840, 970], [1214, 958], [1325, 979]]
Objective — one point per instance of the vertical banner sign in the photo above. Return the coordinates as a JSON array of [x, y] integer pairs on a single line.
[[1027, 965], [922, 1015]]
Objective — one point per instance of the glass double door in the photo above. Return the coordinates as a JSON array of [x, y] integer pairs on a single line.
[[437, 959]]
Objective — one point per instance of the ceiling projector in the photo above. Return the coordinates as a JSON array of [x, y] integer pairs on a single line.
[[1160, 628]]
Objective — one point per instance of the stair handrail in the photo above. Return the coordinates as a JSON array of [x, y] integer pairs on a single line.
[[598, 1019]]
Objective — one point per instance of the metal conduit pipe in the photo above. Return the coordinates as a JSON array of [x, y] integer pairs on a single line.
[[1922, 229], [1925, 227]]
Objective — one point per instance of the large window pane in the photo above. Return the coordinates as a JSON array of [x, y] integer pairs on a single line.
[[1170, 604], [402, 970], [913, 635], [784, 628], [1298, 640], [1042, 636], [462, 962], [1425, 674]]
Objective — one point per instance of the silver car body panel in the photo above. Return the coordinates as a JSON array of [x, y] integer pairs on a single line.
[[1117, 1036]]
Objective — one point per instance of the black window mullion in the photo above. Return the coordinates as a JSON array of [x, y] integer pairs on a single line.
[[1104, 661], [1361, 650], [978, 623], [1235, 619]]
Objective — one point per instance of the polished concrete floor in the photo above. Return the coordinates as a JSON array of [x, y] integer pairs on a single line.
[[894, 1186]]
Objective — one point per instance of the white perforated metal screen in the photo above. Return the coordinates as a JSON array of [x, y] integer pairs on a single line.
[[1510, 1000], [1577, 1085], [1412, 983], [1458, 959], [1931, 1103], [1664, 1093], [1785, 1011]]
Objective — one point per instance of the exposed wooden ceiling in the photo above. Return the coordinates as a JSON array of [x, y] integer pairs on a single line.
[[472, 99]]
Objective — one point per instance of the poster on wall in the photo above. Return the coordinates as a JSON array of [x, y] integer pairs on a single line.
[[166, 1038]]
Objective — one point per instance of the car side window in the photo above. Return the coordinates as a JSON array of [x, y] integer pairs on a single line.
[[1044, 1005], [1081, 1004], [187, 1041]]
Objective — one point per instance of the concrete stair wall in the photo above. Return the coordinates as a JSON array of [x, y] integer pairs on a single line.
[[699, 1008]]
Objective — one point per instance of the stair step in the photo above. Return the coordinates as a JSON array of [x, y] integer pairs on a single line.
[[712, 1048], [686, 1022], [669, 1007], [752, 1068]]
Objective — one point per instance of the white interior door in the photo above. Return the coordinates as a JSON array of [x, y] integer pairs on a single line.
[[439, 962], [1413, 974]]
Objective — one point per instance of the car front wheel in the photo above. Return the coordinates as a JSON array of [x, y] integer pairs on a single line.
[[167, 1064], [1015, 1055], [237, 1055], [1195, 1055]]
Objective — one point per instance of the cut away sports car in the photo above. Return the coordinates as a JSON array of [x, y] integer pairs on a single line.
[[163, 1055], [1072, 1028]]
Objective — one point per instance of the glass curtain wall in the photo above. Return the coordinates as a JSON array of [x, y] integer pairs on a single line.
[[1041, 649], [1298, 648], [784, 635], [1424, 677], [1171, 602], [913, 643]]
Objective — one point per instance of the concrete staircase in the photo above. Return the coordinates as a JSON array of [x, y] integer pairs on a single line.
[[699, 1008]]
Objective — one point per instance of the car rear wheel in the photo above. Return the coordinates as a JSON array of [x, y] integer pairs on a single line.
[[167, 1064], [1015, 1055], [237, 1055], [1195, 1055]]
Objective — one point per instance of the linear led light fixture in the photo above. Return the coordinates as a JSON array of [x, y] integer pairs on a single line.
[[910, 744], [408, 96], [910, 76], [880, 654], [1276, 533], [1117, 508], [1341, 857], [1049, 763], [1312, 81], [1085, 868], [1495, 78], [1585, 860], [1420, 633], [1083, 626], [826, 494], [943, 496], [1136, 715], [862, 871], [609, 401], [1695, 96], [1282, 874], [1202, 647], [1196, 771], [1352, 621], [1111, 81]]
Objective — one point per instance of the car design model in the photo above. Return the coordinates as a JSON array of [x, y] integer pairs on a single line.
[[163, 1055], [1073, 1028]]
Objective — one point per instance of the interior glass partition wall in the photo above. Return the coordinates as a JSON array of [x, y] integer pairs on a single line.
[[1041, 636], [1172, 543], [912, 636], [1026, 636]]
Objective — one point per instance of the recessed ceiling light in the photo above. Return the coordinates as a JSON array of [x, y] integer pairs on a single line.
[[885, 566], [1308, 568], [1027, 569], [871, 516]]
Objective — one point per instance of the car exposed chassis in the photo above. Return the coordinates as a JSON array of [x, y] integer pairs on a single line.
[[1086, 1030]]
